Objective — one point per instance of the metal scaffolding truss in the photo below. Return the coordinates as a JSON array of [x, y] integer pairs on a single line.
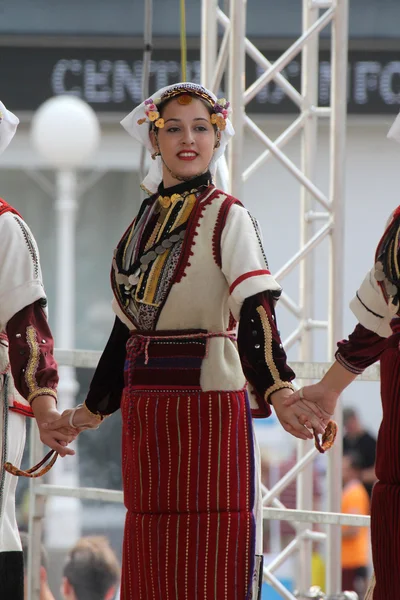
[[225, 56]]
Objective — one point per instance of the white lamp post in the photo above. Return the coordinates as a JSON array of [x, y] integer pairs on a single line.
[[65, 132]]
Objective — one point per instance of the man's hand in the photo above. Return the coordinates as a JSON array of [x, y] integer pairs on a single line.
[[44, 409], [296, 417], [59, 439], [81, 420]]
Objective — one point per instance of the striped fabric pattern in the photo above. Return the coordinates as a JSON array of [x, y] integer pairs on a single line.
[[188, 474], [385, 506], [165, 361]]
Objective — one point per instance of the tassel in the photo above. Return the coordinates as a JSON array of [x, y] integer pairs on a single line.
[[370, 591]]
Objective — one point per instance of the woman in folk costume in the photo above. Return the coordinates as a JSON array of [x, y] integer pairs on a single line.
[[375, 337], [185, 272], [28, 371]]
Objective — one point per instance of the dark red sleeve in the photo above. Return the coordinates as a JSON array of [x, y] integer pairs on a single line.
[[361, 350], [31, 347], [105, 390], [261, 352]]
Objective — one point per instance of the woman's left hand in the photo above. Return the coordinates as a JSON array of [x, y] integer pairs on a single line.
[[318, 397], [81, 420], [298, 419]]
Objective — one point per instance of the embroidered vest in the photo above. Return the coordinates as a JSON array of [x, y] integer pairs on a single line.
[[15, 401]]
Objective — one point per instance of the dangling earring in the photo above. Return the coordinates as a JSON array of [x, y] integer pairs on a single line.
[[217, 144], [155, 154]]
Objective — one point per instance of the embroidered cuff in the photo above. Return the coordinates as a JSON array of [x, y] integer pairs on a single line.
[[348, 366], [41, 392], [250, 284], [98, 415], [278, 385]]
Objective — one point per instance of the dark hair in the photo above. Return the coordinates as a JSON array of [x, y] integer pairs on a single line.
[[25, 542], [387, 258], [355, 460], [348, 413], [92, 568]]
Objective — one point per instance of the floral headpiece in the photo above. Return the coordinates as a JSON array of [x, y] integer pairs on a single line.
[[222, 110], [152, 113], [220, 107], [149, 112]]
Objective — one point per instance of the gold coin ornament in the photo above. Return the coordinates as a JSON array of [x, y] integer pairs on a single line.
[[185, 99]]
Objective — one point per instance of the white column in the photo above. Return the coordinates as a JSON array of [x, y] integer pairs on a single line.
[[208, 49], [337, 192], [63, 514], [309, 91], [237, 63]]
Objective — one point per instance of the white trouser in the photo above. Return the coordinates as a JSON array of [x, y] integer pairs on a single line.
[[11, 451]]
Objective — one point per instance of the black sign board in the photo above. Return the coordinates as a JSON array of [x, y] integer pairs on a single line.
[[110, 79]]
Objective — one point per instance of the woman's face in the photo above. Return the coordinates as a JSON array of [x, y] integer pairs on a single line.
[[186, 141]]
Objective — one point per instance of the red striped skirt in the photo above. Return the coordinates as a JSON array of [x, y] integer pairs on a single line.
[[188, 471]]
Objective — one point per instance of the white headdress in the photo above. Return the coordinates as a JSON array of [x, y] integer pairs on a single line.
[[137, 125], [394, 131], [8, 126]]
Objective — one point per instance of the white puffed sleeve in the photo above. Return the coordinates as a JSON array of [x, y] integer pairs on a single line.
[[370, 307], [20, 274], [243, 261]]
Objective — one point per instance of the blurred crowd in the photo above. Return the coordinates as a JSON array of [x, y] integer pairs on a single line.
[[358, 478]]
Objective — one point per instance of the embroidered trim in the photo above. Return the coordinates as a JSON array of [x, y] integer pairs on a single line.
[[219, 226], [4, 448], [98, 415], [32, 367], [348, 366], [42, 392], [268, 343], [21, 409], [167, 390], [142, 342], [4, 344], [5, 207], [30, 245], [247, 276], [232, 322], [258, 234], [193, 223], [33, 361], [279, 385], [269, 358]]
